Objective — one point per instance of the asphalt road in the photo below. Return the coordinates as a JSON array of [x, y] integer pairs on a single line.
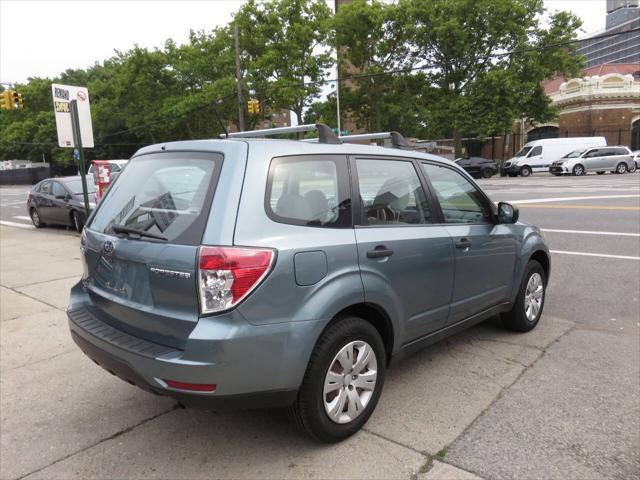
[[562, 401]]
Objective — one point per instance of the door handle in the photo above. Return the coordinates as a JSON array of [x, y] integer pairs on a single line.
[[379, 252], [463, 243]]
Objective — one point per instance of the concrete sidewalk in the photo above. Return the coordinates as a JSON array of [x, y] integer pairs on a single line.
[[557, 402]]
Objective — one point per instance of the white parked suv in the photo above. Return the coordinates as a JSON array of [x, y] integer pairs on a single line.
[[599, 160]]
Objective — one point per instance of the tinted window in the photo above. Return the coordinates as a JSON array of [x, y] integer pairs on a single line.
[[308, 191], [57, 189], [574, 154], [536, 151], [620, 151], [460, 200], [593, 153], [114, 167], [45, 187], [164, 194], [391, 193], [75, 186]]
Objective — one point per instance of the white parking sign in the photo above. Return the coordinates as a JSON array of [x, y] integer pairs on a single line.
[[62, 96]]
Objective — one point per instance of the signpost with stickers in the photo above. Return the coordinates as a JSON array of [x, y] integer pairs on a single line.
[[73, 122]]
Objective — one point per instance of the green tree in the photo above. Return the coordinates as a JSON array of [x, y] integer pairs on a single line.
[[485, 60], [286, 49]]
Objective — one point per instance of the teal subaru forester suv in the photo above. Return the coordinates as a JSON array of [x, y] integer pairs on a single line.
[[252, 272]]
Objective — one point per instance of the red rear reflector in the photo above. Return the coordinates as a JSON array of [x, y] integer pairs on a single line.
[[194, 387]]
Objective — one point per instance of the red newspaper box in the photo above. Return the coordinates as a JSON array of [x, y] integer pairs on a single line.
[[101, 177]]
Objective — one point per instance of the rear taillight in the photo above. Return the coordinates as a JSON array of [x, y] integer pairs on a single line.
[[228, 274]]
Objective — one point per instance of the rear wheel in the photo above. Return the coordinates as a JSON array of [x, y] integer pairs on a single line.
[[343, 381], [487, 173], [621, 168], [527, 309], [35, 218], [578, 170], [525, 171]]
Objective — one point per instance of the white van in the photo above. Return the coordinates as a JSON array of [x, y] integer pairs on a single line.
[[538, 155]]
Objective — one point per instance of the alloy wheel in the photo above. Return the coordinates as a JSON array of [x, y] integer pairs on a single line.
[[622, 168], [533, 296], [350, 382]]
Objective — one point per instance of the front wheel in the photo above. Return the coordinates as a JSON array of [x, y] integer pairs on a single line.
[[578, 170], [343, 381], [76, 221], [527, 309], [633, 167], [525, 171], [621, 168]]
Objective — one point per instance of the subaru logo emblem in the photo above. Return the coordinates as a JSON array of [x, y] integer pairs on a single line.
[[108, 247]]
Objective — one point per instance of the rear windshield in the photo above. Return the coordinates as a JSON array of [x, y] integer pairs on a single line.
[[76, 186], [166, 194]]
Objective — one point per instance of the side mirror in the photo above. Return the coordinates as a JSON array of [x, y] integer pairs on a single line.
[[62, 196], [507, 213]]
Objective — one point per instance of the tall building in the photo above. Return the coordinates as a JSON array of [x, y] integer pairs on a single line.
[[623, 46]]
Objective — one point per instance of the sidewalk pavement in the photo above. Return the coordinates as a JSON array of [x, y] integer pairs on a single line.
[[556, 402]]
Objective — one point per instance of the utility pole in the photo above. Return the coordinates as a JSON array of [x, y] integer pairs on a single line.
[[239, 80]]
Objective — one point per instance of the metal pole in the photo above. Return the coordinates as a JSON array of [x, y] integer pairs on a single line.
[[77, 140], [338, 102], [239, 80]]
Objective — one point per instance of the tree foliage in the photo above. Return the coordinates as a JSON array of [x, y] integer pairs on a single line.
[[460, 67]]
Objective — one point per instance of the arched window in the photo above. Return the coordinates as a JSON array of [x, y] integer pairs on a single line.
[[635, 135], [547, 131]]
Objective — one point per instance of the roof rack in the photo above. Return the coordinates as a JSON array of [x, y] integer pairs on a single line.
[[325, 134], [397, 140]]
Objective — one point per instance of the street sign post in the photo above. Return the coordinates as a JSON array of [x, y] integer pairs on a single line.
[[73, 122]]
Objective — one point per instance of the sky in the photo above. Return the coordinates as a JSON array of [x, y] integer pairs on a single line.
[[42, 38]]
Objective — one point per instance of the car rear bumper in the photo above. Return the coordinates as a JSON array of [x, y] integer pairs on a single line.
[[251, 366]]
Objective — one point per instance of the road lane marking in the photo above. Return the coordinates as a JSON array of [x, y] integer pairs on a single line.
[[601, 255], [585, 207], [14, 224], [584, 232], [567, 199]]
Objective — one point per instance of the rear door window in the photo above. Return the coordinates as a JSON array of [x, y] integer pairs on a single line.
[[45, 188], [310, 190], [391, 193], [166, 194]]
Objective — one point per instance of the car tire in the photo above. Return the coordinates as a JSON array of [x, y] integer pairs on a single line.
[[621, 168], [578, 170], [35, 218], [76, 221], [633, 168], [600, 173], [526, 171], [318, 392], [527, 309], [486, 173]]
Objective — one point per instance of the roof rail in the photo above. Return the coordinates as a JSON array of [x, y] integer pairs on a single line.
[[397, 140], [325, 134]]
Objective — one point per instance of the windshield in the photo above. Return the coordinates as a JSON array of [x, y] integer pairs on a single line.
[[163, 194], [76, 186], [523, 152], [574, 154]]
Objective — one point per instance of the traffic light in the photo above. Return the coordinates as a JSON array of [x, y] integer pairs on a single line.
[[253, 106], [6, 100], [19, 101]]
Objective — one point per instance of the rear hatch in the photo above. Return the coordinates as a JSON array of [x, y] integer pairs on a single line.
[[141, 246]]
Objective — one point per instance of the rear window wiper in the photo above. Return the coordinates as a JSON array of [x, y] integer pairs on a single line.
[[135, 231]]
